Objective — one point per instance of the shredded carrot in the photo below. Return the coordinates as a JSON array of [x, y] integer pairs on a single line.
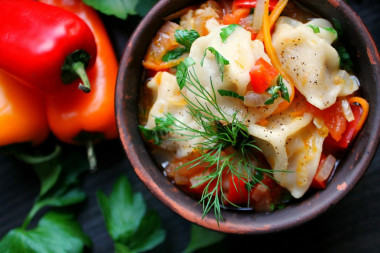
[[273, 57], [365, 106], [280, 6]]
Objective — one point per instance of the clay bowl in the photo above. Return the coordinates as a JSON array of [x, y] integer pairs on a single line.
[[353, 165]]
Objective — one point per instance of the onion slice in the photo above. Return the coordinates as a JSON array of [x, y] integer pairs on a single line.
[[253, 99], [258, 16], [347, 112], [325, 170]]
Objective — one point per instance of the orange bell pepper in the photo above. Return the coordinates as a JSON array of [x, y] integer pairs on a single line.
[[22, 113], [78, 118]]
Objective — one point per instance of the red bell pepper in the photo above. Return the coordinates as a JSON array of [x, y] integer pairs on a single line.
[[262, 75], [252, 4], [44, 46]]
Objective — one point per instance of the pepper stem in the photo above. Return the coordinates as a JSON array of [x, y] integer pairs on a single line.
[[91, 156], [74, 67], [79, 68]]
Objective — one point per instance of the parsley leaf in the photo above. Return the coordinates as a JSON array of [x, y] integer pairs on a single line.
[[161, 129], [131, 227], [227, 31], [230, 93], [121, 8], [59, 177], [315, 28], [344, 59], [55, 232], [184, 38], [220, 60], [332, 30], [201, 238], [182, 71], [276, 91], [174, 54]]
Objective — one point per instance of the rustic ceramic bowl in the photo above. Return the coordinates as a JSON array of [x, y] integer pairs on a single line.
[[350, 170]]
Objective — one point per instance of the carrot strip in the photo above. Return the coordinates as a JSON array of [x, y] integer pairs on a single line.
[[273, 57], [280, 6], [365, 106]]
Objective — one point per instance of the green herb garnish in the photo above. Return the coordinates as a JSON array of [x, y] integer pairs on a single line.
[[160, 130], [230, 93], [130, 225], [174, 54], [220, 60], [331, 30], [227, 31], [315, 28], [218, 131], [344, 59], [184, 38], [277, 91]]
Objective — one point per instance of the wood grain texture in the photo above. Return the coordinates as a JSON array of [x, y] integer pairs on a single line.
[[353, 225]]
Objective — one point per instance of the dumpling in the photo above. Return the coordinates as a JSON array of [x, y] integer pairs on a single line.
[[242, 53], [293, 147], [311, 61], [168, 99]]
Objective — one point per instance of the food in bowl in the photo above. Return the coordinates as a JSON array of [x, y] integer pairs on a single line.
[[248, 104]]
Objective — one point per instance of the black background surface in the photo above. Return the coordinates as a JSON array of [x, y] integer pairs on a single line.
[[353, 225]]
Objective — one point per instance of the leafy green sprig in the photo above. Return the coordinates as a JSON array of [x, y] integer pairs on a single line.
[[184, 38], [219, 132]]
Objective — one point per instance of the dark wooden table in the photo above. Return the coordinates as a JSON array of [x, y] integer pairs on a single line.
[[353, 225]]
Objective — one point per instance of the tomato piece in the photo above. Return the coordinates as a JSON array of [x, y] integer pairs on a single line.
[[262, 75], [333, 117], [252, 3], [237, 192]]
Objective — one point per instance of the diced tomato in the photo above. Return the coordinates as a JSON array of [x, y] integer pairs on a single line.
[[333, 118], [237, 192], [323, 172], [262, 75], [252, 3]]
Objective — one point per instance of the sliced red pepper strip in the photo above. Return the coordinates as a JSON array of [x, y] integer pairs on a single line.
[[252, 3], [44, 46]]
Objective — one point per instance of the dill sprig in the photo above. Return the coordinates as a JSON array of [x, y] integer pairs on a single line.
[[220, 132]]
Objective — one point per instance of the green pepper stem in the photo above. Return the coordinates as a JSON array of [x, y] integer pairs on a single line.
[[79, 68], [91, 156]]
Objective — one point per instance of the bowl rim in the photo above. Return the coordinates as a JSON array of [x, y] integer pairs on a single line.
[[234, 221]]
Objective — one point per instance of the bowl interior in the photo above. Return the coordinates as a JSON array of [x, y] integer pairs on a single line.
[[366, 61]]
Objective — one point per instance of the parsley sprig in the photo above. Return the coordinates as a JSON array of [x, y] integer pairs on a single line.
[[184, 38], [277, 91]]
